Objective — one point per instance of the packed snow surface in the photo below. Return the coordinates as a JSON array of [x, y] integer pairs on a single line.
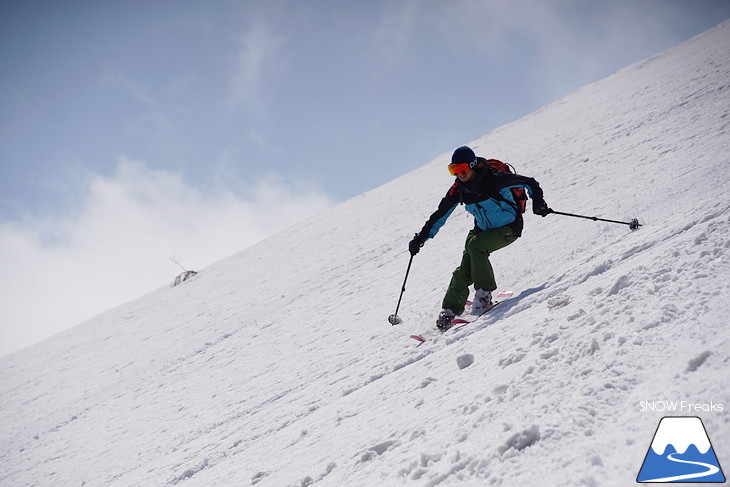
[[278, 367]]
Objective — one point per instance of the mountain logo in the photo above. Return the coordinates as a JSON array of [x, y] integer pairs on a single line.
[[680, 452]]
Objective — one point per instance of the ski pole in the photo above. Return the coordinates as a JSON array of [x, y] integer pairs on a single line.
[[633, 224], [393, 319]]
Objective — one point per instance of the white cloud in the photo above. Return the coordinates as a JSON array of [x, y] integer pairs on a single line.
[[117, 246], [255, 61]]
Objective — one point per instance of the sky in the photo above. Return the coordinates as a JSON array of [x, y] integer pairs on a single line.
[[140, 138]]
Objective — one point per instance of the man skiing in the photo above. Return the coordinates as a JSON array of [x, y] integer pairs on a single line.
[[492, 196]]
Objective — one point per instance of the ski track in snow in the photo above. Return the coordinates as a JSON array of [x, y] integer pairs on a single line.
[[277, 366]]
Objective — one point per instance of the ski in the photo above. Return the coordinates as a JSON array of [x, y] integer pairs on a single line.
[[419, 339], [459, 323]]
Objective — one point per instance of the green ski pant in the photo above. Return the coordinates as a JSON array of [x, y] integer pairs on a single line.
[[475, 267]]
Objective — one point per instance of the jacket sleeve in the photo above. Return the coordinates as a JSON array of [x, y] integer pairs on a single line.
[[442, 213], [530, 184]]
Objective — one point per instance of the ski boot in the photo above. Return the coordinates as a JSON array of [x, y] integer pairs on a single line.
[[482, 302], [444, 321]]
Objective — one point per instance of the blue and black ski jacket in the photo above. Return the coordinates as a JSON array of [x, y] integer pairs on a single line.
[[488, 197]]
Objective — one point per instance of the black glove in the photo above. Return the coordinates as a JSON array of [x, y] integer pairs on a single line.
[[415, 245], [541, 208]]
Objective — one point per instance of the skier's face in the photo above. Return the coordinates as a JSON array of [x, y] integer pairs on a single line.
[[466, 176]]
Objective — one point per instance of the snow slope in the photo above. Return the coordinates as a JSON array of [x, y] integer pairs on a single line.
[[277, 366]]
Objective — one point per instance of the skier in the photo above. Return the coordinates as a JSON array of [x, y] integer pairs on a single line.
[[489, 195]]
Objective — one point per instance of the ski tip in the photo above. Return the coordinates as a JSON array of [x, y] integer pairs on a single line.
[[504, 295]]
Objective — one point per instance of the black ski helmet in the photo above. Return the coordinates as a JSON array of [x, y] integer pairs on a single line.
[[464, 155]]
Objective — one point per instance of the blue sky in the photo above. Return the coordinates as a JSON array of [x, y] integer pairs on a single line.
[[136, 131]]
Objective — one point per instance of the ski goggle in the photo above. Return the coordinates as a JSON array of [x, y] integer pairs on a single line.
[[459, 169]]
